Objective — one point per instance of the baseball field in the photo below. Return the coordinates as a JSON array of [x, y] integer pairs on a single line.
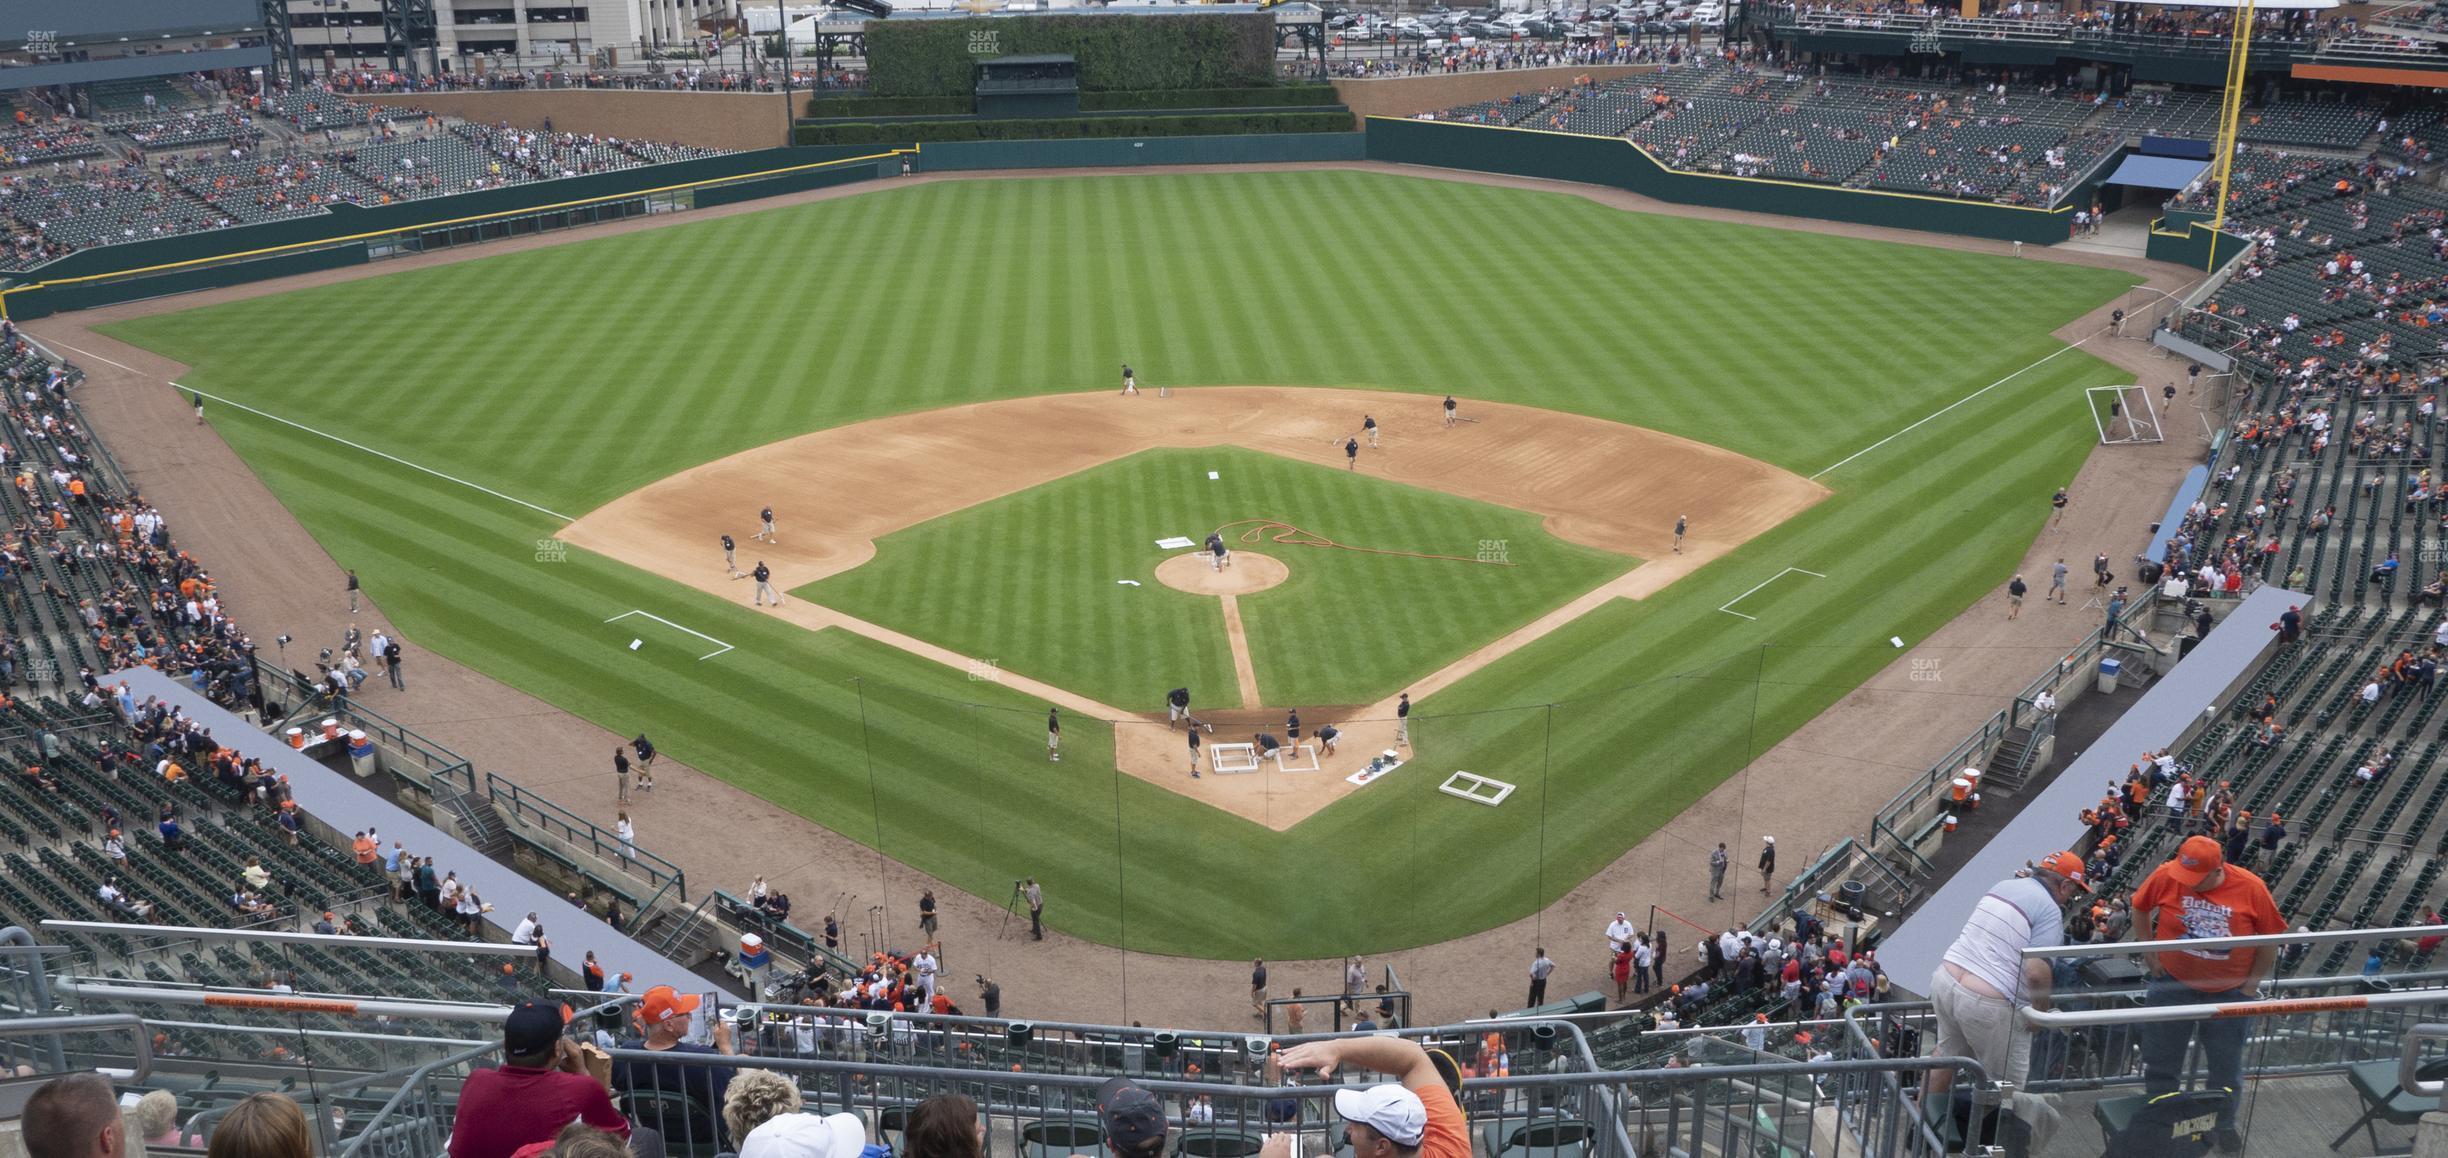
[[529, 458]]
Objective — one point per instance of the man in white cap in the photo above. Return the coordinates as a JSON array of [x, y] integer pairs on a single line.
[[1417, 1118], [1619, 934], [807, 1136]]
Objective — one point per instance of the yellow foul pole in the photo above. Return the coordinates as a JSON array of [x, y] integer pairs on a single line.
[[2231, 111]]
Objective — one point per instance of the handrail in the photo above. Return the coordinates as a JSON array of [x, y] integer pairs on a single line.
[[2130, 1014], [680, 926], [285, 937], [2255, 940], [280, 1002], [601, 843], [86, 1023], [409, 1084]]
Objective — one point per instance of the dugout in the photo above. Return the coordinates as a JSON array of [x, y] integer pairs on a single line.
[[1043, 85]]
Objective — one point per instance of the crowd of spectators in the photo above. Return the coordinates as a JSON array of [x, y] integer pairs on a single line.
[[245, 156]]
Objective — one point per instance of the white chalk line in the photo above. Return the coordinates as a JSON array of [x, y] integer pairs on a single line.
[[676, 627], [326, 434], [1728, 606], [376, 453], [1952, 405]]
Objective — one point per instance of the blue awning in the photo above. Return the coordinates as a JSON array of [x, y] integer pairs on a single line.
[[2157, 172]]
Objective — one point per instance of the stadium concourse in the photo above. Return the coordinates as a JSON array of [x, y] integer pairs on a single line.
[[1858, 751]]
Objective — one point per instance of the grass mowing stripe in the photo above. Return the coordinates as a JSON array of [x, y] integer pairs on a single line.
[[1753, 339]]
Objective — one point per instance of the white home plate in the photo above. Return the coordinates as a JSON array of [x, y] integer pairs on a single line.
[[636, 644], [1176, 543]]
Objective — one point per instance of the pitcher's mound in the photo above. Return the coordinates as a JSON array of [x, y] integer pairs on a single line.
[[1196, 573]]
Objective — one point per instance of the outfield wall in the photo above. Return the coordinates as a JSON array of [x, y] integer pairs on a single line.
[[967, 156], [1618, 163], [2184, 237]]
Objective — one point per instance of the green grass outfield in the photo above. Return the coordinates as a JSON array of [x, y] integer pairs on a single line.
[[1030, 579], [567, 376]]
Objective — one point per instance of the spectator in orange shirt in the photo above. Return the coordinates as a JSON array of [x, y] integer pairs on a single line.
[[1417, 1118], [364, 847], [2199, 895]]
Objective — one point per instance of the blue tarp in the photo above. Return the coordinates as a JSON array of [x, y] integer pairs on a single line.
[[2176, 147], [2196, 481], [2157, 172]]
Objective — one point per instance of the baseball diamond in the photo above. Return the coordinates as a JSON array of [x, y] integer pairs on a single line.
[[931, 422]]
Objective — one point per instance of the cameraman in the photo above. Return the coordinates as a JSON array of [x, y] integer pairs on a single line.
[[1035, 897], [991, 994]]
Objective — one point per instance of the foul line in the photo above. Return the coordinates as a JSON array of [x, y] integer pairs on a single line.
[[325, 434], [675, 627], [1728, 606], [1952, 405], [376, 453]]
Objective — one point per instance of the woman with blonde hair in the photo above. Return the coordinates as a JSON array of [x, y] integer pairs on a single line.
[[265, 1125], [755, 1098], [157, 1118]]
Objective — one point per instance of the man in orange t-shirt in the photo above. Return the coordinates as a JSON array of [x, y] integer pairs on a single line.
[[2198, 894], [1416, 1119]]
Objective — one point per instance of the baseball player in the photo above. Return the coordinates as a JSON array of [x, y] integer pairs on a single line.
[[1449, 410], [1292, 726], [199, 407], [1216, 552], [1130, 381], [1682, 524], [730, 563], [1177, 705], [1194, 751], [1326, 735], [1054, 734], [1402, 719], [765, 588], [1351, 454], [1368, 424], [767, 534]]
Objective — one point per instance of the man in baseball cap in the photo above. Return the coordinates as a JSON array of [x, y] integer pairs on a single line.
[[1983, 983], [541, 1086], [662, 1019], [1133, 1120], [2197, 895], [1415, 1117]]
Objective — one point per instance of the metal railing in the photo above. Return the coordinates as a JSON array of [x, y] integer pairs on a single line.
[[1891, 849], [524, 807], [431, 761]]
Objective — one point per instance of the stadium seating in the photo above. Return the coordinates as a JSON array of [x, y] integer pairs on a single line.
[[2021, 147], [200, 158]]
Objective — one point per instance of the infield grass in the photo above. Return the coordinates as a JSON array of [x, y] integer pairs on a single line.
[[569, 375], [1031, 580]]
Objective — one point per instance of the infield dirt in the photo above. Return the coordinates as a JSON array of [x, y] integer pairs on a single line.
[[1601, 484]]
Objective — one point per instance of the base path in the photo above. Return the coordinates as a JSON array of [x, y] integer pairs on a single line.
[[1601, 484]]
